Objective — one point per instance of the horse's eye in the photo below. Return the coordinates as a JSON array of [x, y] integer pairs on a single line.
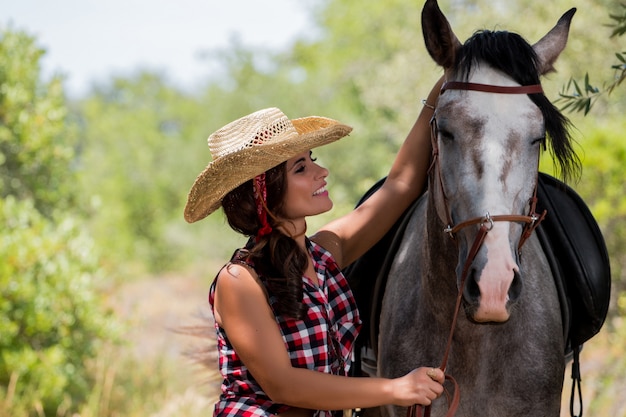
[[445, 135], [540, 140]]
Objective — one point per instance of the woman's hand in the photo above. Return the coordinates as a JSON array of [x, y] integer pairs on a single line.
[[420, 386]]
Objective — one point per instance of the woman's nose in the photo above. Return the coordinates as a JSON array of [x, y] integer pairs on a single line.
[[322, 172]]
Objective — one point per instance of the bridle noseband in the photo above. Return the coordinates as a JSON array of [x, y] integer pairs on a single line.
[[532, 220]]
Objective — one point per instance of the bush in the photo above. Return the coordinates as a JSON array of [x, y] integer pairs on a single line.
[[36, 144], [51, 320]]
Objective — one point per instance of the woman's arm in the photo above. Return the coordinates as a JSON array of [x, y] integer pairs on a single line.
[[243, 312], [360, 229]]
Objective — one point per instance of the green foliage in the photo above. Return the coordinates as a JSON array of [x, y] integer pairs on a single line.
[[36, 146], [619, 25], [582, 99], [50, 319], [132, 132]]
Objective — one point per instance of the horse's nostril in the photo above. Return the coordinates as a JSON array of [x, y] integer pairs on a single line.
[[472, 291], [515, 290]]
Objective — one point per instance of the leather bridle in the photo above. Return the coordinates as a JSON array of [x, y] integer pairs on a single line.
[[531, 221]]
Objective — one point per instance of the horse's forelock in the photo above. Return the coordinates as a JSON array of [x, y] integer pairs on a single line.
[[511, 54], [505, 51]]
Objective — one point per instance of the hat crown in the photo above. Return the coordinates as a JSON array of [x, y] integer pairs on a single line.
[[256, 129]]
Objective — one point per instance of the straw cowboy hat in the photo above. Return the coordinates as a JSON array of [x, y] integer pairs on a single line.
[[251, 145]]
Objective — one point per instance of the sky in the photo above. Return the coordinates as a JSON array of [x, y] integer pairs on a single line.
[[89, 40]]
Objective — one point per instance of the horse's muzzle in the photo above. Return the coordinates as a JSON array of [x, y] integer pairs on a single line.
[[490, 300]]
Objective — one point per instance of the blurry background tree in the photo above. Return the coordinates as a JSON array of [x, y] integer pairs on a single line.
[[52, 318], [93, 188], [132, 131], [36, 143]]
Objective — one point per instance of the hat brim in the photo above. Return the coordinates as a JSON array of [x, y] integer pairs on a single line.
[[228, 172]]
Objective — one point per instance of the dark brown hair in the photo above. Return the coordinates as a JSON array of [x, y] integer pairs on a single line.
[[276, 257]]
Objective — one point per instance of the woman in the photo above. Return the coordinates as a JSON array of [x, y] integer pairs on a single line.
[[285, 317]]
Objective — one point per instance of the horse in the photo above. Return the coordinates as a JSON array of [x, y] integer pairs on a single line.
[[469, 287]]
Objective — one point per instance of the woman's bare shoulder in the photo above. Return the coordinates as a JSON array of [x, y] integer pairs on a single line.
[[331, 242], [237, 288], [237, 274]]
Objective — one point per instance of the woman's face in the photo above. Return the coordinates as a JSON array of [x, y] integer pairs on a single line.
[[306, 193]]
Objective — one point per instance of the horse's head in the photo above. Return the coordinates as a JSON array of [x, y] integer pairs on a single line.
[[487, 145]]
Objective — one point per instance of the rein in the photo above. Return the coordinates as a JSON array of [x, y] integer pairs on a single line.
[[532, 220]]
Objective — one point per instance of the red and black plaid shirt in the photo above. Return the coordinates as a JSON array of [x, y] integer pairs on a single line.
[[322, 341]]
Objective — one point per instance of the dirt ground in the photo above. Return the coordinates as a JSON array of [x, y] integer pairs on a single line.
[[157, 309]]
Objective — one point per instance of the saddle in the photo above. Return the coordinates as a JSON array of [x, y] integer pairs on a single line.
[[570, 238], [576, 251]]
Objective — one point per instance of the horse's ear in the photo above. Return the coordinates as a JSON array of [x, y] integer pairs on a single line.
[[441, 42], [552, 44]]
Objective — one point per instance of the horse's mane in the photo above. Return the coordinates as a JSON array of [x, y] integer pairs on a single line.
[[514, 56]]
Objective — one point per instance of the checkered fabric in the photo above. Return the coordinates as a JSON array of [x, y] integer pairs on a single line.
[[322, 341]]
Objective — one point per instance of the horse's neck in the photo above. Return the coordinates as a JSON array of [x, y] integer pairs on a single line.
[[440, 254], [440, 244]]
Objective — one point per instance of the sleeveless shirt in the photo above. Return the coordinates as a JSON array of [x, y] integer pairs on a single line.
[[321, 341]]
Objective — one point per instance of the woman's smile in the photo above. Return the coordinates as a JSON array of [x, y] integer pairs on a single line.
[[321, 191]]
